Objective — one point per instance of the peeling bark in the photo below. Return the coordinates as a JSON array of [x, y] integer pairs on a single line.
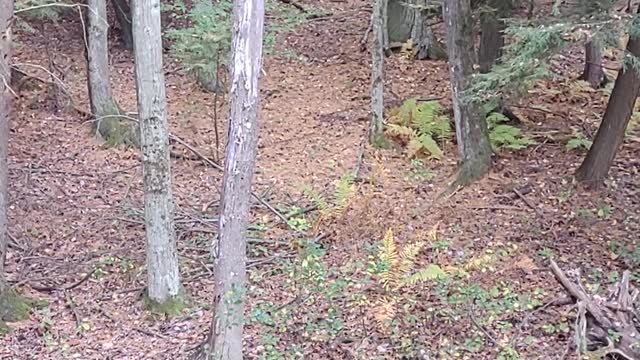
[[162, 259], [225, 338], [377, 74], [6, 15]]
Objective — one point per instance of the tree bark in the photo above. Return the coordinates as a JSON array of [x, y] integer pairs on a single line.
[[6, 15], [162, 260], [610, 135], [471, 127], [593, 72], [492, 33], [405, 22], [113, 128], [225, 340], [377, 74], [123, 14]]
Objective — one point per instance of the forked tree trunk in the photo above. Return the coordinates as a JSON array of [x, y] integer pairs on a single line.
[[225, 339], [6, 15], [377, 74], [406, 22], [123, 14], [162, 259], [610, 135], [593, 72], [471, 127]]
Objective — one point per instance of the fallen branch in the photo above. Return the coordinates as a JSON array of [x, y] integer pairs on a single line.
[[294, 4]]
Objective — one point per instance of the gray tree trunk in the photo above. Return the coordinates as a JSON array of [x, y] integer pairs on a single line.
[[113, 128], [123, 14], [377, 74], [593, 72], [471, 127], [405, 22], [225, 339], [6, 14], [162, 258]]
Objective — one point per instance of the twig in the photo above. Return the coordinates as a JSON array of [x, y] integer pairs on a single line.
[[481, 328], [527, 202], [79, 282], [555, 302], [363, 146], [72, 306], [365, 37], [149, 333], [294, 4]]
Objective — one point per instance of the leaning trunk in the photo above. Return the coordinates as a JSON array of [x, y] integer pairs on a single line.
[[225, 340], [123, 14], [162, 259], [593, 72], [377, 74], [108, 120], [596, 165], [471, 127]]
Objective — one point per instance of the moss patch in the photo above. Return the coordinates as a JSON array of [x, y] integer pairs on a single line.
[[171, 307], [13, 307], [116, 129]]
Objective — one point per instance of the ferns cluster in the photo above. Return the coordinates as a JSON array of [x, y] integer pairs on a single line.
[[344, 192], [420, 125], [506, 136]]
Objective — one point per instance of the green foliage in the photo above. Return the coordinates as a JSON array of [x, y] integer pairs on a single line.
[[419, 125], [203, 47], [505, 136], [579, 142], [343, 194]]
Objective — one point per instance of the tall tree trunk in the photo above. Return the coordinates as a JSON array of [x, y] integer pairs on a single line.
[[162, 259], [471, 127], [492, 33], [123, 14], [230, 260], [377, 74], [113, 128], [610, 135], [593, 72], [6, 15]]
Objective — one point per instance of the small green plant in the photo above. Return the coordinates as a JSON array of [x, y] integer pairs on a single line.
[[419, 172], [579, 142], [420, 126], [343, 194], [505, 136], [203, 47], [603, 211]]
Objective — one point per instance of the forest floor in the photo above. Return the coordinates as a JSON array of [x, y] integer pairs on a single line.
[[76, 213]]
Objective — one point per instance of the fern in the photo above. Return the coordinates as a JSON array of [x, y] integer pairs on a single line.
[[344, 191], [389, 259], [505, 136], [429, 273], [579, 142], [316, 199], [419, 126]]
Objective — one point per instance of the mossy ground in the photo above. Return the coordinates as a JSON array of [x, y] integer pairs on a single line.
[[116, 129], [171, 307], [13, 307]]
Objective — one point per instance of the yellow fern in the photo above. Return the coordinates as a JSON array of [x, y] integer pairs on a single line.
[[390, 259], [408, 256]]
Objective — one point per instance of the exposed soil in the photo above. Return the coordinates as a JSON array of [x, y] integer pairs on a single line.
[[76, 205]]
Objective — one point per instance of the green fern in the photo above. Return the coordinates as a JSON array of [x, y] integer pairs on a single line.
[[505, 136], [344, 191], [429, 273], [579, 142], [316, 199]]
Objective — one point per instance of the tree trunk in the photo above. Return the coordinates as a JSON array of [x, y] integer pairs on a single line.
[[593, 72], [492, 33], [162, 259], [6, 15], [123, 14], [610, 135], [405, 22], [471, 127], [230, 259], [377, 75], [109, 124]]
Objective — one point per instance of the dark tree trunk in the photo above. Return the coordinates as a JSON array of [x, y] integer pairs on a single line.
[[123, 14], [596, 165], [593, 72], [492, 33], [471, 127]]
